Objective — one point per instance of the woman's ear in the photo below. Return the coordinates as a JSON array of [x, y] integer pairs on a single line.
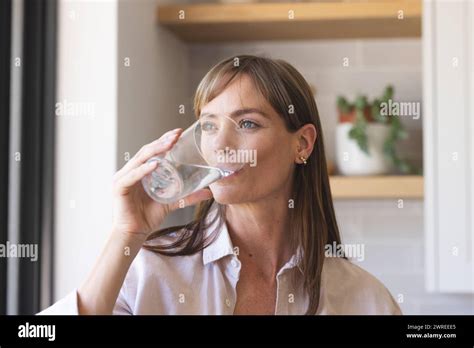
[[306, 138]]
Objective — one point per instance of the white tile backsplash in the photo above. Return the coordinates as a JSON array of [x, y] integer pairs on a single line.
[[395, 53], [394, 252]]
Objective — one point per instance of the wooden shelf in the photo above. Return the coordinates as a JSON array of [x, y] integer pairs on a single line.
[[312, 20], [377, 186]]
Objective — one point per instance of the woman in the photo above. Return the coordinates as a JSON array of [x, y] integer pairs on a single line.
[[257, 244]]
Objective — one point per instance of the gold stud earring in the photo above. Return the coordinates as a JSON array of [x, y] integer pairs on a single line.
[[303, 160]]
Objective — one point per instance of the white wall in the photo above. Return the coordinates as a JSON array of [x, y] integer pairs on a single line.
[[86, 138], [130, 106], [152, 83], [449, 157]]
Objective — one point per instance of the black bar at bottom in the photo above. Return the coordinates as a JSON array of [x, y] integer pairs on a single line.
[[136, 330]]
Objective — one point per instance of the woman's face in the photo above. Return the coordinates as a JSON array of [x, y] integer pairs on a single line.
[[271, 149]]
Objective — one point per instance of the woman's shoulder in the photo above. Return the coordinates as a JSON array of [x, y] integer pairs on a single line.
[[344, 269], [349, 289]]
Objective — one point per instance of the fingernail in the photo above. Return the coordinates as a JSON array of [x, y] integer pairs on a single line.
[[152, 164]]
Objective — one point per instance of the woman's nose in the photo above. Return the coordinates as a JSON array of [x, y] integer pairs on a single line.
[[224, 141], [226, 137]]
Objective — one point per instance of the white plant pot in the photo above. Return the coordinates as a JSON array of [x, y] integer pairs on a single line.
[[351, 160]]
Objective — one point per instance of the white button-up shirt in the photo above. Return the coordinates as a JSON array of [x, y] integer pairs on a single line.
[[205, 283]]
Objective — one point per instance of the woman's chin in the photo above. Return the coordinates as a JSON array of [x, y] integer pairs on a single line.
[[227, 194]]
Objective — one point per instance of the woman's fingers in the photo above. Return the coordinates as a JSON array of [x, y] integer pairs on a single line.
[[124, 183], [161, 145], [158, 146]]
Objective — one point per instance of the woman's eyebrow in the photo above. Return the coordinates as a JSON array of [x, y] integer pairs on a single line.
[[240, 112]]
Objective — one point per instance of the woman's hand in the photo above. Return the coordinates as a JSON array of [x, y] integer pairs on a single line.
[[135, 213]]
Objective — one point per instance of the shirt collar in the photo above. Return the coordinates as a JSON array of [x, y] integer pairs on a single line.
[[222, 245], [295, 261]]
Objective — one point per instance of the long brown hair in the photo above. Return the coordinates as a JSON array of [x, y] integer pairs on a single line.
[[312, 220]]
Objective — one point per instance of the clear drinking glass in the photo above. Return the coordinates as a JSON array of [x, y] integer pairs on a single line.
[[210, 149]]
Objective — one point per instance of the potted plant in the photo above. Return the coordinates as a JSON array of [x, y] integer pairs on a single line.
[[366, 139]]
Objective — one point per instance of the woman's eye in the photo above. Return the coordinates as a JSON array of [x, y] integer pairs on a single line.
[[248, 124], [207, 126]]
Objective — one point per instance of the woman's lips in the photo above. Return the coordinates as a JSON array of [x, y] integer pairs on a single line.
[[233, 175], [237, 172]]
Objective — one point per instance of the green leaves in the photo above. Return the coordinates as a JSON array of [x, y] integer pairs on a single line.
[[388, 93], [343, 105], [361, 103], [358, 131]]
